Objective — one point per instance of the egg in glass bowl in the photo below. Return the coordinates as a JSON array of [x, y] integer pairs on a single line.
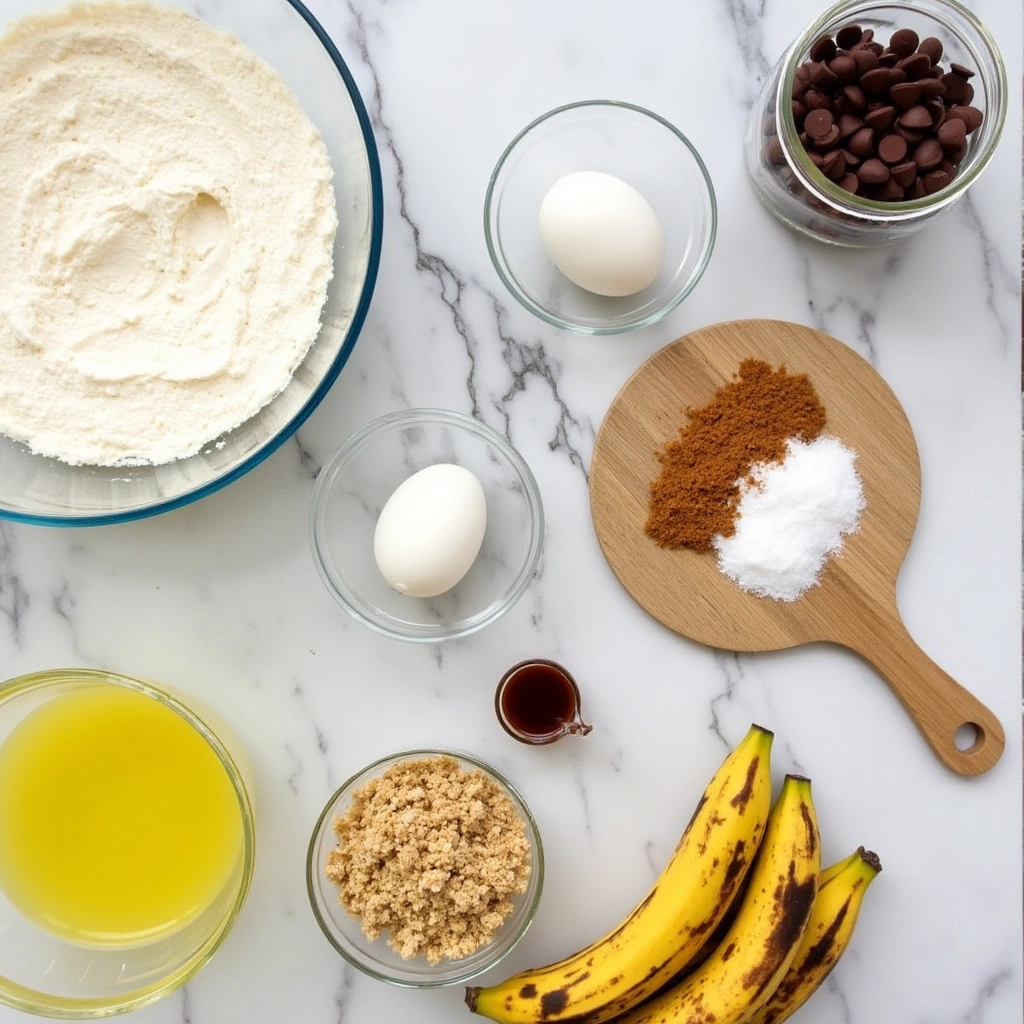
[[409, 476], [195, 293]]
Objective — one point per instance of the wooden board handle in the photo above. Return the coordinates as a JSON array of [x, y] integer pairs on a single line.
[[938, 704]]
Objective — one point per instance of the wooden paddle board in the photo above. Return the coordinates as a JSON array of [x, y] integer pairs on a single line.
[[854, 602]]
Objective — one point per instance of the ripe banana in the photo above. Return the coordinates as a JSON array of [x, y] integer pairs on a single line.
[[670, 923], [743, 972], [841, 889]]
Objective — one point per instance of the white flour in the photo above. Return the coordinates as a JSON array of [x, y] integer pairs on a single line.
[[791, 518], [166, 233]]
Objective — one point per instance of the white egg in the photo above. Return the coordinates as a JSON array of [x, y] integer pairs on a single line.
[[430, 530], [601, 233]]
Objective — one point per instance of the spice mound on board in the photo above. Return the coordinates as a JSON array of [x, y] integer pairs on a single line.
[[752, 476], [434, 855], [747, 422]]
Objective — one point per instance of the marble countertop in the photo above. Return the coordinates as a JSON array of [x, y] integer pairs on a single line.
[[221, 598]]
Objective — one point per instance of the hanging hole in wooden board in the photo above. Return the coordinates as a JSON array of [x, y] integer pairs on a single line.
[[968, 737]]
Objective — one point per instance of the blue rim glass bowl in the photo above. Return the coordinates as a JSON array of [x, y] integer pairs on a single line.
[[374, 957], [45, 974], [34, 489], [357, 481], [624, 140]]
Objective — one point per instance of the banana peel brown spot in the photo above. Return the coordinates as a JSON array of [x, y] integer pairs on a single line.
[[528, 991], [793, 900], [552, 1003], [812, 831], [742, 798], [825, 948]]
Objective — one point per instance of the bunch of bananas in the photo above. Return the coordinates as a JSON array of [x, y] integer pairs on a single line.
[[740, 928]]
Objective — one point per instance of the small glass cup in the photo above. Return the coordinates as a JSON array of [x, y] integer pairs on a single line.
[[538, 701], [795, 191]]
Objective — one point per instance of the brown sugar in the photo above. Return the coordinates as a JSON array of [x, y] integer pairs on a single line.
[[433, 854], [748, 421]]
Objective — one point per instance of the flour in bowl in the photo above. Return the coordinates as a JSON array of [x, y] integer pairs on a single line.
[[166, 233]]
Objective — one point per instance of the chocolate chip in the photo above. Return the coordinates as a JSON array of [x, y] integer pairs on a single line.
[[968, 94], [959, 69], [826, 142], [904, 174], [833, 164], [844, 67], [848, 124], [956, 88], [889, 191], [773, 152], [852, 160], [849, 36], [888, 60], [855, 94], [862, 143], [880, 118], [823, 48], [818, 123], [816, 100], [931, 88], [972, 117], [903, 41], [823, 77], [935, 180], [873, 172], [916, 118], [850, 182], [892, 149], [904, 95], [952, 134], [917, 65], [874, 83], [932, 47], [937, 109], [912, 135], [815, 157], [928, 154], [865, 60]]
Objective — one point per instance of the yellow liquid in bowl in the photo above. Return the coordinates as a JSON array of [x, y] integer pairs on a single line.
[[118, 823]]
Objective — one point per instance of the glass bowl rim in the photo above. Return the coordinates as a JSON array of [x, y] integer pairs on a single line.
[[386, 424], [540, 311], [534, 889], [33, 1001], [829, 191], [359, 314]]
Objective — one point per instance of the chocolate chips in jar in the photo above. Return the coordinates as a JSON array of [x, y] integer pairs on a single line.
[[886, 122]]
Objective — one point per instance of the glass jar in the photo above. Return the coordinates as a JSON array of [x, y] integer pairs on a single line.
[[782, 162]]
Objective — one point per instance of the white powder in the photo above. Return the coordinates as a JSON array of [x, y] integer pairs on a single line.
[[167, 225], [792, 516]]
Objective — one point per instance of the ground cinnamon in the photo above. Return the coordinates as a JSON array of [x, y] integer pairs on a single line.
[[747, 421]]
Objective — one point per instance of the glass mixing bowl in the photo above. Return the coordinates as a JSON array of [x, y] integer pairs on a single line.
[[41, 490], [45, 974], [357, 481], [375, 957]]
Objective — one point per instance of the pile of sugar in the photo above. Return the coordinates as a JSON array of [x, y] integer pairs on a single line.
[[792, 516]]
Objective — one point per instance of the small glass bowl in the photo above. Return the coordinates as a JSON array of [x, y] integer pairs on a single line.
[[47, 975], [376, 958], [357, 481], [632, 143]]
